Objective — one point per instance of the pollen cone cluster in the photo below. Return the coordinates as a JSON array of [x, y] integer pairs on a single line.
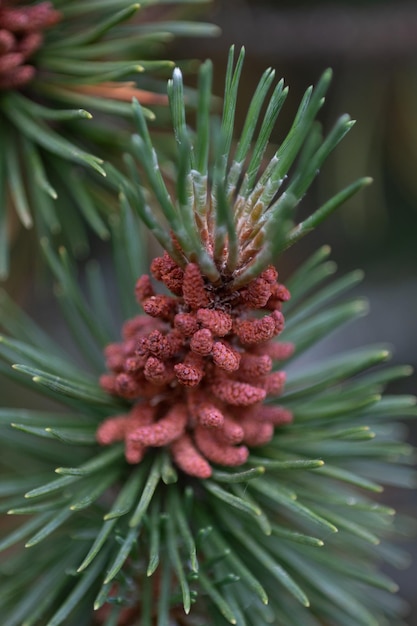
[[20, 36], [198, 366]]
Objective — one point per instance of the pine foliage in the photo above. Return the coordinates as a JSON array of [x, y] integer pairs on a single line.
[[56, 129], [294, 536]]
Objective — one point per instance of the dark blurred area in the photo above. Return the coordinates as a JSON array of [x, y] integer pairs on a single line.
[[372, 47]]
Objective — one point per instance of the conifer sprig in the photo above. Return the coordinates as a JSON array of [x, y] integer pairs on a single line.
[[62, 106], [293, 535], [233, 200], [317, 476]]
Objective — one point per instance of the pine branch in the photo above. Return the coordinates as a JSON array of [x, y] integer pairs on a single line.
[[83, 61], [271, 519]]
